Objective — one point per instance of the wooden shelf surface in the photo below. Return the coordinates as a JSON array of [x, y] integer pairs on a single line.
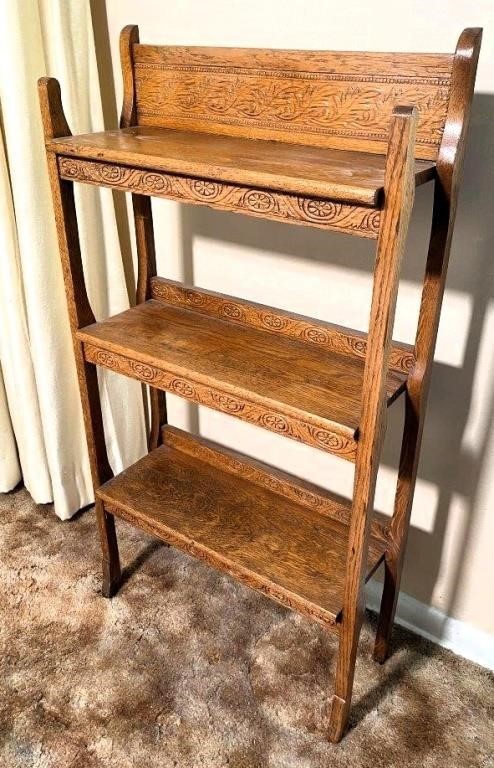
[[339, 175], [243, 518], [287, 385]]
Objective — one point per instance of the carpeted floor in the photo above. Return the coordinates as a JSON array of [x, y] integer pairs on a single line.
[[187, 668]]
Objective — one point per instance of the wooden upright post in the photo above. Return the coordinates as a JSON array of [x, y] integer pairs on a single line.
[[143, 220], [449, 168], [399, 187], [80, 314]]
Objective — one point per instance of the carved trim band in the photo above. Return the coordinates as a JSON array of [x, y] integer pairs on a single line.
[[279, 206], [341, 443], [296, 75], [265, 318]]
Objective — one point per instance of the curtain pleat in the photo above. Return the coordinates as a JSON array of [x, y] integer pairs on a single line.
[[41, 400]]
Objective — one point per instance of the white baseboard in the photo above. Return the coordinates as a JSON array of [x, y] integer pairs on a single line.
[[458, 636]]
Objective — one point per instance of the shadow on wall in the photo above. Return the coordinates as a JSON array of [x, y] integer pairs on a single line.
[[446, 463], [453, 468]]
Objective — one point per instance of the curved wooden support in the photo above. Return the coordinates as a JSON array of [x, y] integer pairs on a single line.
[[80, 314], [449, 170], [55, 124], [129, 36], [399, 193]]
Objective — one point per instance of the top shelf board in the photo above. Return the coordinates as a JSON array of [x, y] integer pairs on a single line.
[[342, 176]]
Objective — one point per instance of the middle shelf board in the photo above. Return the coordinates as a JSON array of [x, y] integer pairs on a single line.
[[276, 534], [287, 385]]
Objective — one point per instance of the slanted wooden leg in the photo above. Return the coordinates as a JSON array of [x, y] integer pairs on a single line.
[[391, 588], [393, 565], [449, 166], [109, 547], [80, 314], [399, 191], [345, 671]]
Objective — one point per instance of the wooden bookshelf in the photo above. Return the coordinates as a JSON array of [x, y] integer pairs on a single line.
[[338, 141]]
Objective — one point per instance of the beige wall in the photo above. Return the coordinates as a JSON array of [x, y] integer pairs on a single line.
[[450, 560]]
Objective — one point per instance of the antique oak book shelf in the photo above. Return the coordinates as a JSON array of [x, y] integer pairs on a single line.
[[333, 140]]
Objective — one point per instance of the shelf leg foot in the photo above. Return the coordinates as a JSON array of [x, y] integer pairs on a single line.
[[345, 672], [112, 573], [338, 718], [400, 522], [387, 611]]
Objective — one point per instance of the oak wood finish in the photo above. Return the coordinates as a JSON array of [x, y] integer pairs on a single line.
[[212, 509], [396, 216], [262, 203], [450, 167], [343, 156], [318, 499], [287, 386], [322, 334], [80, 313], [341, 176], [328, 99], [143, 220]]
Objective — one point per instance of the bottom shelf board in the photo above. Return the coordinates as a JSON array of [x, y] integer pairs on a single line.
[[242, 517]]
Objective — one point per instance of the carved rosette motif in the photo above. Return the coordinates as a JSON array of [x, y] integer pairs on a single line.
[[340, 443], [274, 205], [257, 317], [282, 486]]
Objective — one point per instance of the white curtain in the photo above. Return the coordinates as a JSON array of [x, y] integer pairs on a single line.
[[41, 430]]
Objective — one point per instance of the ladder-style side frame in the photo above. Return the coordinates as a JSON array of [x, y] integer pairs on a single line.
[[394, 220], [446, 188], [449, 168], [80, 314], [399, 194]]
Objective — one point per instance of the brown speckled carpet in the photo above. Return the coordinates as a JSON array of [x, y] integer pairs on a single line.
[[187, 668]]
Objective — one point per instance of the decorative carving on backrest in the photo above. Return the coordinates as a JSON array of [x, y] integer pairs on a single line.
[[338, 100]]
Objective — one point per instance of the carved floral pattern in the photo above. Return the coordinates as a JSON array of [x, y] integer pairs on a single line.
[[208, 190], [143, 371], [226, 403], [259, 201], [179, 386], [274, 322], [313, 103], [316, 335], [276, 205], [232, 311], [335, 339], [342, 443]]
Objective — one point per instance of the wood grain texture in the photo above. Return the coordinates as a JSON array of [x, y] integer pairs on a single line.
[[289, 487], [286, 386], [269, 542], [203, 117], [144, 231], [129, 37], [323, 335], [450, 166], [396, 216], [80, 312], [336, 175], [331, 99], [339, 217]]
